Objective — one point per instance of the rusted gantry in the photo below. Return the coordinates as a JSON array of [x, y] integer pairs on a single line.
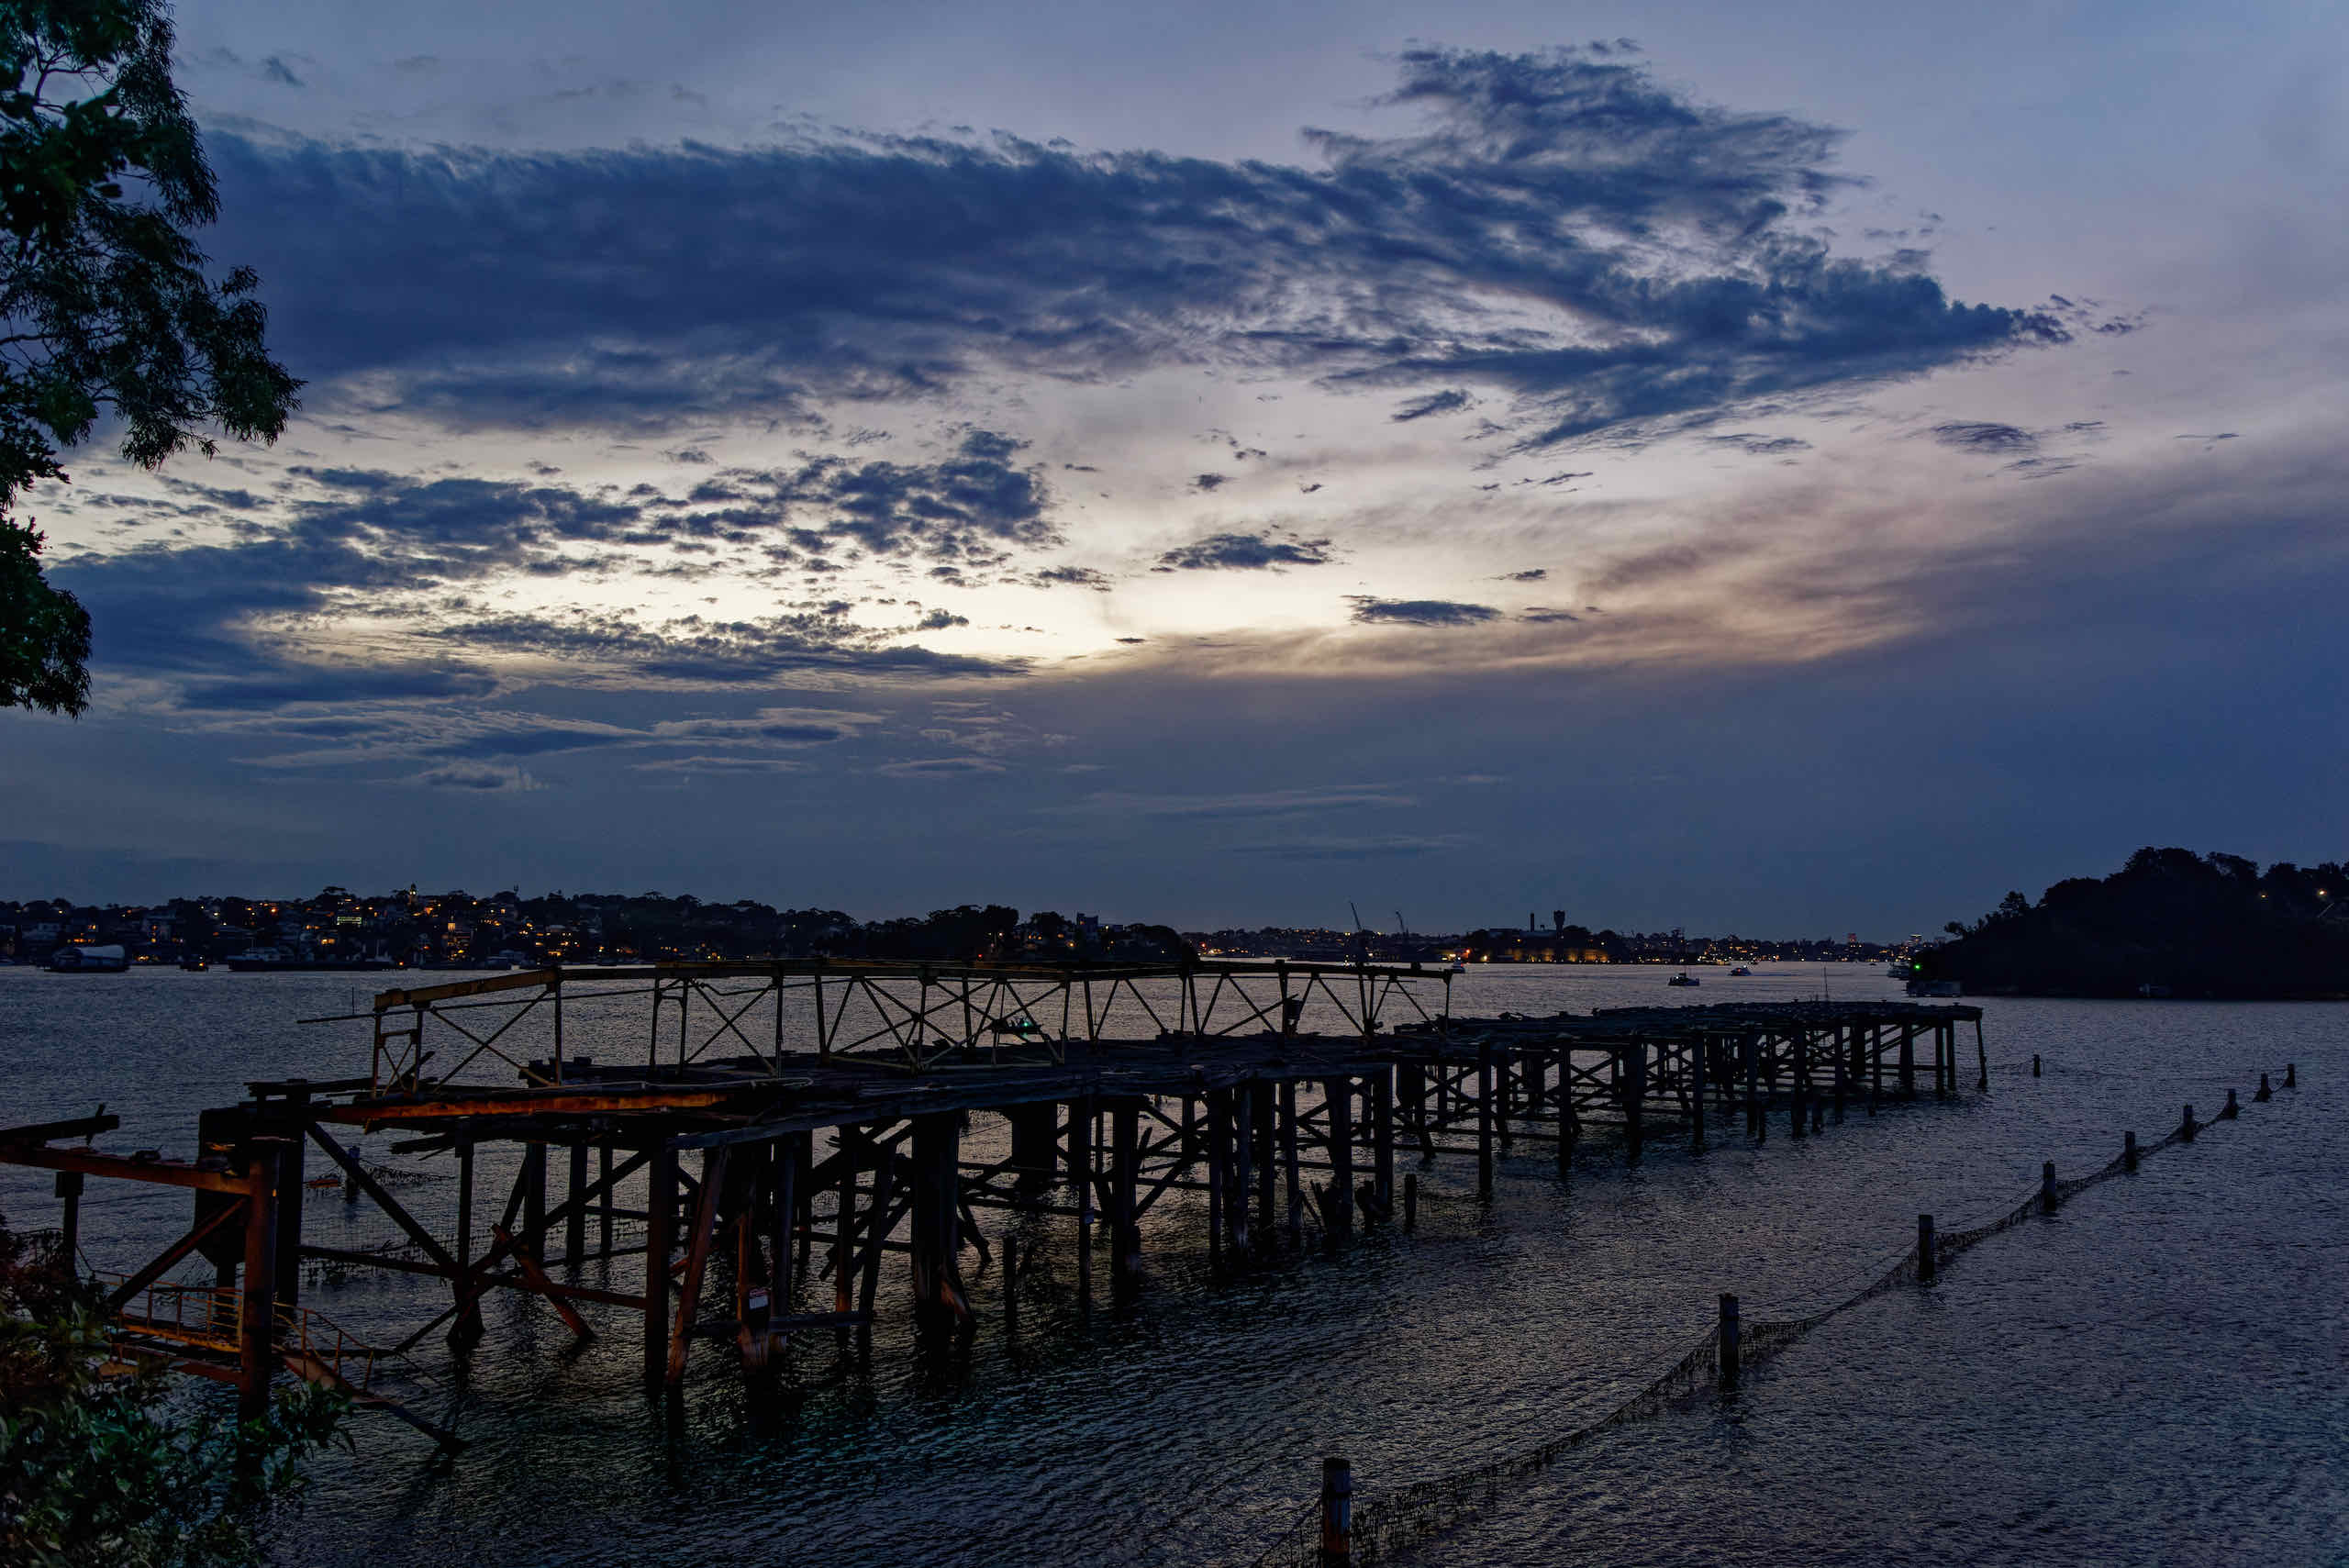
[[760, 1137]]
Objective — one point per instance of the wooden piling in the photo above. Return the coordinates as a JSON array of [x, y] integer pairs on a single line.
[[660, 1238], [2129, 1152], [1484, 1119], [257, 1300], [1928, 1258], [1411, 1200], [1337, 1207], [1730, 1350], [1337, 1513], [1908, 1062], [574, 1214], [935, 1233], [1218, 1159], [1125, 1172], [1697, 1095], [2047, 1187], [2230, 1110], [1240, 1199], [1265, 1120], [1081, 1114], [2186, 1129], [605, 1201], [1799, 1109], [68, 1187], [2291, 1076], [534, 1199], [1635, 1060], [1382, 1139], [1294, 1189], [2264, 1093]]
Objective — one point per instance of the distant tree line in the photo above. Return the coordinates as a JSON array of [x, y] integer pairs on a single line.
[[2170, 922]]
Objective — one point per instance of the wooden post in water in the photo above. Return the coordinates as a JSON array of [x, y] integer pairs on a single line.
[[1219, 1158], [1634, 1058], [1339, 1096], [659, 1236], [2129, 1152], [2047, 1187], [1239, 1203], [1569, 1125], [1982, 1057], [1267, 1123], [790, 1160], [1484, 1119], [2230, 1110], [1295, 1188], [1928, 1262], [1382, 1141], [1730, 1346], [257, 1320], [1908, 1062], [1799, 1094], [68, 1187], [1842, 1052], [1081, 1148], [1337, 1513], [1125, 1171], [1411, 1200], [2186, 1129], [2264, 1093], [1696, 1050], [574, 1213], [534, 1199], [1751, 1046], [2291, 1076], [605, 1201]]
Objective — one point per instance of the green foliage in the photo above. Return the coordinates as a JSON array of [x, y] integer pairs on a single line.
[[44, 631], [2187, 924], [106, 307], [95, 1470]]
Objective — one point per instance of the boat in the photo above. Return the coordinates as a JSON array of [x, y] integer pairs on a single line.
[[1740, 973], [196, 964], [1457, 968], [1921, 987], [73, 959], [1684, 978]]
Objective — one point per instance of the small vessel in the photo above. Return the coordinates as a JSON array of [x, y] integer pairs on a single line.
[[1741, 972], [1684, 978], [1923, 987], [196, 964], [107, 960], [1457, 968]]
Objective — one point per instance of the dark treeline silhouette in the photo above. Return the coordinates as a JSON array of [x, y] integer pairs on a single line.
[[2170, 922]]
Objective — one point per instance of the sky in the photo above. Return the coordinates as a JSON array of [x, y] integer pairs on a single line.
[[1789, 470]]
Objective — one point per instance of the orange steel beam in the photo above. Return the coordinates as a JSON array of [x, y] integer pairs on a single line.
[[564, 1103], [90, 1163]]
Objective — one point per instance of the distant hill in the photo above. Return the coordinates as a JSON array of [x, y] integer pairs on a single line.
[[2183, 924]]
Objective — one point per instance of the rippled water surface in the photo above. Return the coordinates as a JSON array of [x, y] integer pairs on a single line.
[[2155, 1375]]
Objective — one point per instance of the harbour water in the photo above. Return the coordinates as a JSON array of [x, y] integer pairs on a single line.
[[2158, 1373]]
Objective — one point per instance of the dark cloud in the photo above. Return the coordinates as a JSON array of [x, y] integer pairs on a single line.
[[1447, 402], [652, 285], [1374, 611], [940, 767], [1070, 576], [1208, 482], [1984, 435], [693, 650], [1542, 614], [1754, 445], [1531, 574], [1246, 553], [972, 505]]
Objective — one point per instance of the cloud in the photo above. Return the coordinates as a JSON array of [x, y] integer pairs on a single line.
[[1560, 229], [1373, 611], [1531, 574], [1541, 615], [1270, 548], [940, 767], [715, 764], [970, 506], [1070, 576], [1754, 445], [1378, 847], [479, 777], [1448, 402], [1305, 801], [1984, 435]]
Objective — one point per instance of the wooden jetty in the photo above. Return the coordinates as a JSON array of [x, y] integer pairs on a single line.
[[779, 1128]]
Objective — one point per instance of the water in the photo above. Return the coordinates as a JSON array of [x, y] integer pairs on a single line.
[[2156, 1374]]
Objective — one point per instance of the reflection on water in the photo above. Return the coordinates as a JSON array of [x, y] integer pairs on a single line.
[[2157, 1374]]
